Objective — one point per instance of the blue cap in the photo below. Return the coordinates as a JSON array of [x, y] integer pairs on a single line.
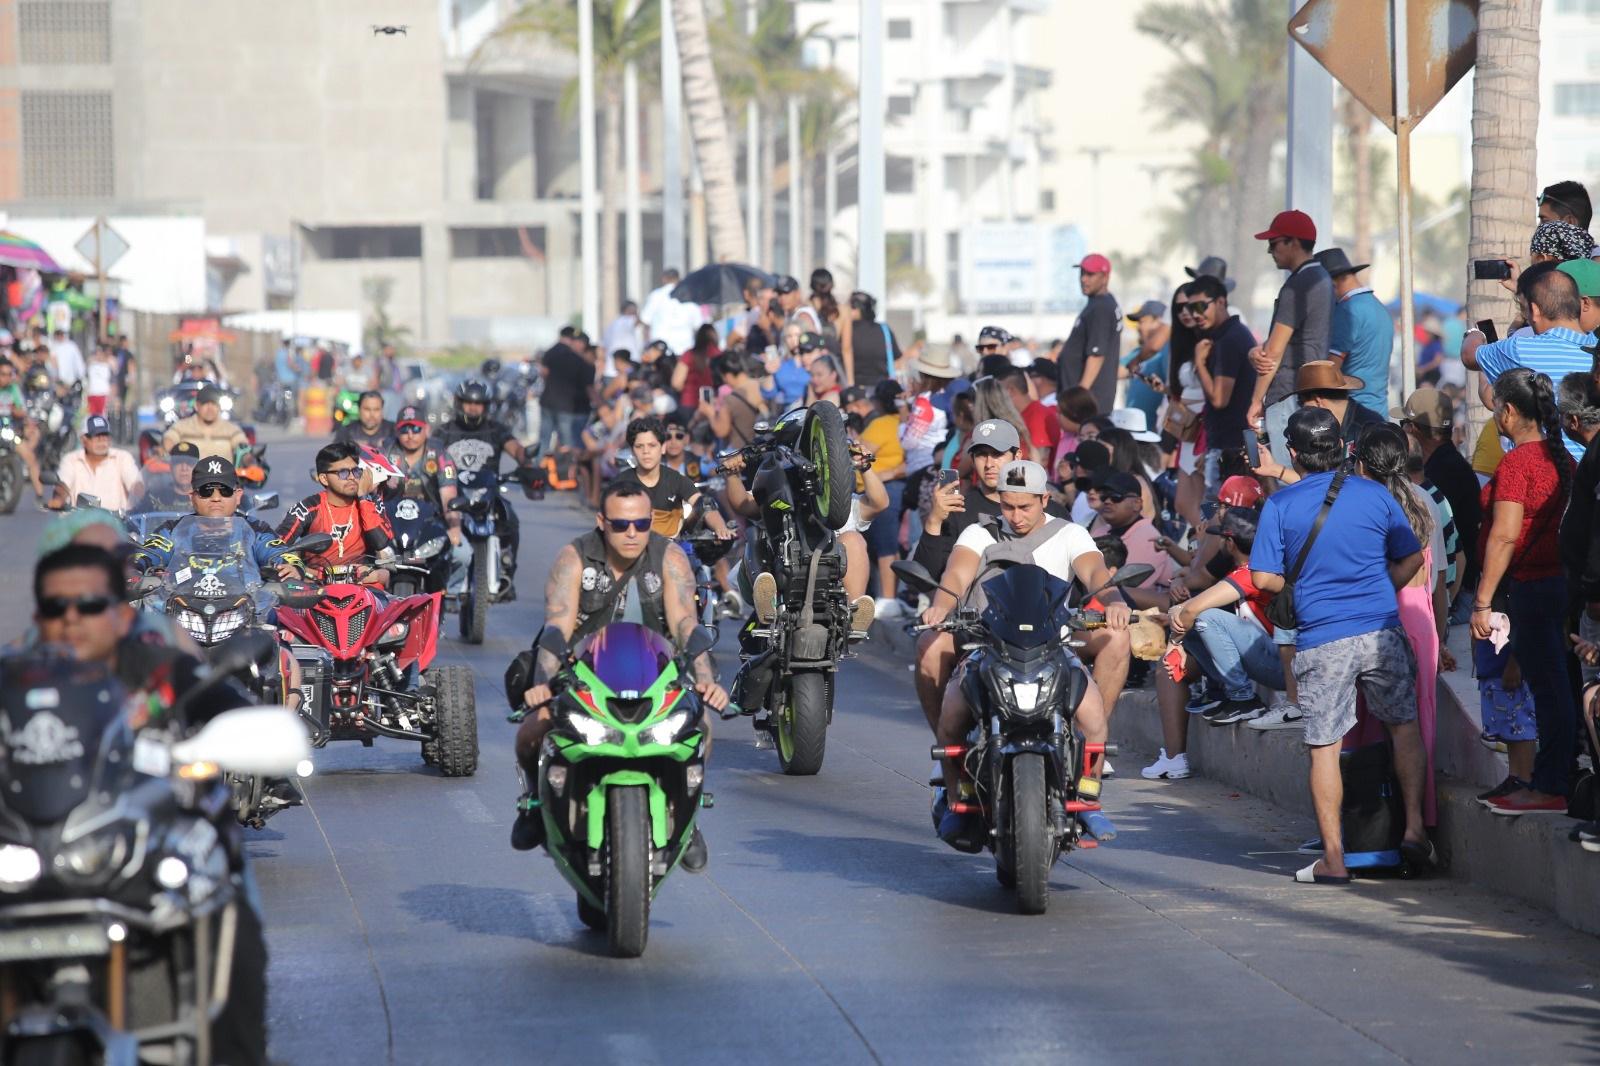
[[96, 426]]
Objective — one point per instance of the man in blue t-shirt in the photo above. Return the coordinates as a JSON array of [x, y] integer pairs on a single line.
[[1363, 330], [1349, 636], [1147, 360]]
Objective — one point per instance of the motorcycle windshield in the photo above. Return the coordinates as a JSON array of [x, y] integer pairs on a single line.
[[626, 656], [218, 547], [59, 720], [1025, 604]]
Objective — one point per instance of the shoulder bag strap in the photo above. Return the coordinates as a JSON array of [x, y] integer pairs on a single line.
[[888, 347], [1322, 517]]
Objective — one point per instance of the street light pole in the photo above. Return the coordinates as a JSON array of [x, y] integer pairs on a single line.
[[633, 245], [1402, 157], [871, 269], [752, 159], [796, 254], [672, 216], [588, 237]]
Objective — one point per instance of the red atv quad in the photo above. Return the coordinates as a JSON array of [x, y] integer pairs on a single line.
[[367, 671]]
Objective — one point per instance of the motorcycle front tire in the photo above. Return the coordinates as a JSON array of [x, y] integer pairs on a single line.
[[628, 874], [475, 601], [828, 448], [13, 475], [801, 724], [1032, 843]]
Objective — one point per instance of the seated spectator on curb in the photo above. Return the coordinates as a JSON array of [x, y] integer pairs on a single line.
[[1227, 637], [1118, 505], [1348, 634]]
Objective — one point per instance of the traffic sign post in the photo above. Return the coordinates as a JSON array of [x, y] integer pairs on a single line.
[[103, 246], [1399, 76]]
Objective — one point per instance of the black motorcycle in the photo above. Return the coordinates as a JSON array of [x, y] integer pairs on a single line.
[[126, 932], [1023, 756], [56, 417], [801, 474], [13, 472], [482, 500], [421, 546], [277, 404]]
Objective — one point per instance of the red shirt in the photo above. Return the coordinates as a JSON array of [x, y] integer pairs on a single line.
[[698, 377], [1251, 596], [1043, 425], [1527, 475]]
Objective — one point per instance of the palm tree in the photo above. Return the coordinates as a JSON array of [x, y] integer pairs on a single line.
[[1228, 79], [1505, 129], [708, 125], [621, 37]]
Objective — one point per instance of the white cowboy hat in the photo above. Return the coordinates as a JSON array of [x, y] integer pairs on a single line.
[[1132, 419], [936, 364]]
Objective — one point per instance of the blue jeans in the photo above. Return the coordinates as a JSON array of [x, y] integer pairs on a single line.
[[1237, 653], [1277, 423], [883, 535], [565, 426], [1539, 641]]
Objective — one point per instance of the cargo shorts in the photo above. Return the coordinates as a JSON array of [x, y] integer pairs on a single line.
[[1380, 664]]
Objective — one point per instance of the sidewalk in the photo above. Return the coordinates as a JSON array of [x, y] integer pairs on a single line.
[[1528, 858]]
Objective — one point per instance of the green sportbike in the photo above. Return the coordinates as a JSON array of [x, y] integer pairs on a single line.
[[621, 772]]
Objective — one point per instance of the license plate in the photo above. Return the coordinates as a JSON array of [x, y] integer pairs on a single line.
[[54, 942]]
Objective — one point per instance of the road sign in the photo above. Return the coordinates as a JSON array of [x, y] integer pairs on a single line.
[[1352, 39], [113, 248]]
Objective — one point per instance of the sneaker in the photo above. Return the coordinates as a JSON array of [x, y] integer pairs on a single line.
[[1201, 702], [1493, 743], [863, 613], [964, 832], [1164, 769], [765, 591], [1589, 836], [889, 607], [527, 832], [1505, 788], [1099, 826], [1523, 802], [1230, 711], [694, 854], [1105, 768], [732, 604], [1283, 716], [1209, 715]]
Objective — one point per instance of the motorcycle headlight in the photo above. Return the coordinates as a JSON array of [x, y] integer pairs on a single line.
[[226, 403], [428, 549], [1026, 695], [592, 730], [196, 862], [396, 633], [666, 730], [167, 403], [94, 858], [7, 433], [19, 867], [192, 624], [228, 623]]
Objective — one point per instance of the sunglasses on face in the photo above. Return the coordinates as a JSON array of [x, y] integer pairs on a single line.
[[677, 434], [205, 492], [86, 606], [1106, 497], [988, 348], [407, 430], [348, 473], [1196, 307], [622, 525]]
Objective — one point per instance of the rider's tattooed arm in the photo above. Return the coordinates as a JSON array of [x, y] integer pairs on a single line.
[[560, 605], [681, 620]]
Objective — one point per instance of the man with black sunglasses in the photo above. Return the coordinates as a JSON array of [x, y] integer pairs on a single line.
[[359, 528], [215, 494], [620, 571]]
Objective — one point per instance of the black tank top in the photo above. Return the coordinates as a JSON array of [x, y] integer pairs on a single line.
[[637, 596]]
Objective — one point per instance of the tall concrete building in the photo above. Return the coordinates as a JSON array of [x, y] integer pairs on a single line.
[[320, 154], [1569, 92]]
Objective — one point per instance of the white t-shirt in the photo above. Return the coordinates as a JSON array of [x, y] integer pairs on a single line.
[[99, 377], [1055, 555]]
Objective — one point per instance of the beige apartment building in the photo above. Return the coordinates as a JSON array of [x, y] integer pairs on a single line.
[[319, 153]]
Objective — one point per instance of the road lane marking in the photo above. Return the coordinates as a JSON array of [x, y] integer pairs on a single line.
[[471, 808]]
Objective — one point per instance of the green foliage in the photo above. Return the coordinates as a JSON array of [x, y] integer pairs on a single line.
[[619, 39], [380, 329]]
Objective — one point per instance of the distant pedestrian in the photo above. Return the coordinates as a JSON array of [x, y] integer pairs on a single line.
[[621, 334], [1362, 335], [1428, 417], [1090, 356], [1148, 360], [873, 353], [1302, 318], [669, 319], [568, 382]]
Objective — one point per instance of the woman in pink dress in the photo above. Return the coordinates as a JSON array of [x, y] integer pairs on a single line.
[[1381, 457]]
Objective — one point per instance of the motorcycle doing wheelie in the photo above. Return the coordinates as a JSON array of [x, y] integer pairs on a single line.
[[126, 930], [621, 772], [1023, 757], [801, 474]]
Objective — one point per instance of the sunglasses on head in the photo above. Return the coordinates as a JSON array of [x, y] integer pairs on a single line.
[[347, 473], [1562, 205], [205, 492], [622, 525], [1195, 307], [86, 606]]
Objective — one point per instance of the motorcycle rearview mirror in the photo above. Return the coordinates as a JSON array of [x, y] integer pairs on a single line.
[[916, 575], [86, 500], [314, 542], [49, 477], [701, 641], [269, 741], [294, 597], [243, 651], [458, 503], [146, 584], [1130, 575], [264, 501]]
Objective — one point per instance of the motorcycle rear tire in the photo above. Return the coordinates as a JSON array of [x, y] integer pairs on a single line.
[[475, 601], [455, 745], [13, 475], [801, 725], [1032, 845], [828, 449], [59, 1049], [628, 873]]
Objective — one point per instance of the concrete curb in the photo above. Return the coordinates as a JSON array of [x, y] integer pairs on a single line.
[[1528, 858]]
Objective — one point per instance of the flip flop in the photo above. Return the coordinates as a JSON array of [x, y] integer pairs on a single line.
[[1423, 855], [1309, 876]]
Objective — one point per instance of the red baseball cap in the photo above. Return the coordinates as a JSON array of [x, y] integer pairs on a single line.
[[1296, 224], [1095, 263], [1240, 490]]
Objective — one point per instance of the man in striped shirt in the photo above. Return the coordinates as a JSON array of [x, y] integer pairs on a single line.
[[1554, 347]]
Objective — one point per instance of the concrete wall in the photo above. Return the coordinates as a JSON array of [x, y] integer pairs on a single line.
[[337, 284]]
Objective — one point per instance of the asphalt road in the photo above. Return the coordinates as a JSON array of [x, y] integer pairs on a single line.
[[831, 925]]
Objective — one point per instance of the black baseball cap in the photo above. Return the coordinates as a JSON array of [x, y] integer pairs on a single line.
[[785, 284], [810, 342], [1237, 522], [1042, 368], [1091, 455], [852, 394], [208, 394], [215, 471], [184, 451], [96, 426], [410, 415], [1311, 428], [1115, 483]]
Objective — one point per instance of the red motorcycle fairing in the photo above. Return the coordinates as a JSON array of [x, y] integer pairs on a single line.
[[348, 620]]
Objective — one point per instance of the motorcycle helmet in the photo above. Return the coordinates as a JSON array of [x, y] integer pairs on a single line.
[[490, 368], [472, 390], [37, 380]]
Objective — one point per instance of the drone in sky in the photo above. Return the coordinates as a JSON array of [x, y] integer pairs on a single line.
[[389, 31]]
